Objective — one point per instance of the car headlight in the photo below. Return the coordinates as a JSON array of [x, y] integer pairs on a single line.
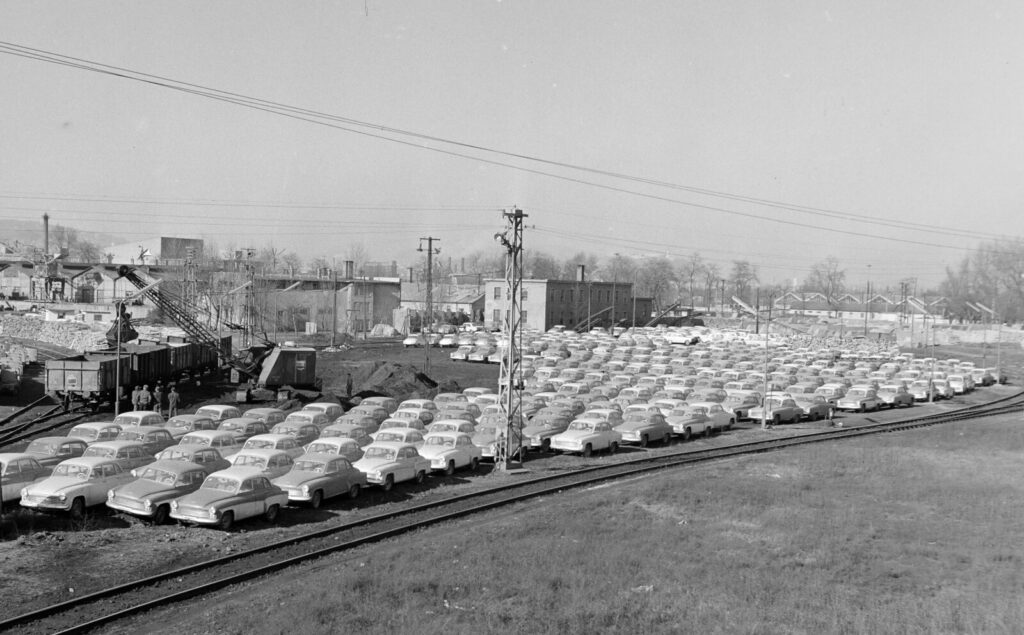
[[110, 494], [24, 492], [147, 503], [305, 490], [174, 505], [63, 497], [376, 474], [213, 512]]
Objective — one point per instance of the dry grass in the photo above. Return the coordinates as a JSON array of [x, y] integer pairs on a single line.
[[915, 532]]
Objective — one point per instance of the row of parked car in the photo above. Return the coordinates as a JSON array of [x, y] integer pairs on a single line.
[[583, 393]]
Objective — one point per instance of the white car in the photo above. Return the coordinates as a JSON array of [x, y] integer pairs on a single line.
[[17, 471], [270, 463], [587, 436], [387, 463], [76, 484], [449, 451], [230, 495], [285, 442]]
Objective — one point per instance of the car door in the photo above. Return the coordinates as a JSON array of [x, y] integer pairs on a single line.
[[249, 501], [406, 464]]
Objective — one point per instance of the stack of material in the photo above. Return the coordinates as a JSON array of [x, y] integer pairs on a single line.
[[73, 335]]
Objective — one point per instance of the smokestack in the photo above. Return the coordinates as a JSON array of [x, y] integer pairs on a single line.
[[348, 269], [46, 233]]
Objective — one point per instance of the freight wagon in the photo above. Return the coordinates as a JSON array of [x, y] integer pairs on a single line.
[[90, 377]]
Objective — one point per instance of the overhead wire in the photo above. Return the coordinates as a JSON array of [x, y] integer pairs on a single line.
[[316, 117]]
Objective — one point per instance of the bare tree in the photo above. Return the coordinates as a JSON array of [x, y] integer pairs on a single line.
[[827, 279], [657, 278], [742, 277], [293, 262], [690, 270], [712, 275], [542, 266]]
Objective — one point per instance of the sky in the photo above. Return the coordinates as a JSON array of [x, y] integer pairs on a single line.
[[888, 135]]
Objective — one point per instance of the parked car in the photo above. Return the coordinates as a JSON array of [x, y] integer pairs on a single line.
[[94, 431], [284, 442], [814, 406], [209, 458], [411, 436], [342, 446], [243, 427], [224, 442], [128, 454], [220, 412], [449, 451], [139, 418], [228, 496], [149, 496], [49, 451], [587, 436], [740, 402], [352, 431], [451, 425], [860, 399], [309, 417], [923, 390], [644, 427], [17, 471], [180, 425], [390, 404], [269, 416], [75, 485], [331, 410], [693, 420], [316, 477], [895, 395], [777, 409], [271, 463], [387, 463], [538, 432], [303, 433], [154, 438], [943, 388]]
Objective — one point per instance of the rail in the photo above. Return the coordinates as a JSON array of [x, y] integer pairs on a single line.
[[119, 602]]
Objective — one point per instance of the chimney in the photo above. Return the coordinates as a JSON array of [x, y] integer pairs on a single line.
[[348, 269], [46, 234]]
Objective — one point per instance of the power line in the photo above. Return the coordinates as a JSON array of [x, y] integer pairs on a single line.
[[303, 114]]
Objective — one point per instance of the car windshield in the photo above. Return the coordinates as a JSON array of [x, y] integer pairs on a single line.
[[125, 420], [43, 447], [440, 441], [581, 425], [292, 430], [300, 417], [318, 467], [231, 425], [72, 470], [380, 453], [84, 432], [259, 444], [635, 417], [390, 436], [108, 453], [446, 427], [158, 476], [174, 455], [188, 439], [221, 483], [251, 461], [853, 394], [321, 448], [130, 435]]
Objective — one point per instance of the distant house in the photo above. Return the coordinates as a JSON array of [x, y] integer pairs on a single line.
[[546, 303]]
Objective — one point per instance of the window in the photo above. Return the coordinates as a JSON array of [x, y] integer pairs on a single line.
[[496, 316], [524, 292], [497, 293], [522, 315]]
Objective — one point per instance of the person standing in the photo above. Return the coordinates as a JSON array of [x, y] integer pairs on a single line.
[[135, 397], [348, 385], [158, 399], [145, 398], [172, 402]]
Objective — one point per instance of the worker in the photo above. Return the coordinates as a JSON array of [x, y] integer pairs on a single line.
[[172, 402], [145, 398], [348, 385], [135, 397], [158, 399]]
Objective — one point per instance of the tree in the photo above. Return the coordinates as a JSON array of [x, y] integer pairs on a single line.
[[712, 275], [271, 256], [689, 271], [571, 266], [540, 266], [827, 279], [742, 278], [293, 262], [358, 254], [657, 278]]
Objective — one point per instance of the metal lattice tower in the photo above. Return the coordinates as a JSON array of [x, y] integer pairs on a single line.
[[510, 383], [189, 279]]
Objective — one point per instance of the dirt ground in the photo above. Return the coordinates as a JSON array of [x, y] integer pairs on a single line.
[[49, 558]]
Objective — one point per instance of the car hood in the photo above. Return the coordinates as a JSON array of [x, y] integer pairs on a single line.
[[144, 488], [297, 478], [56, 485], [574, 434], [204, 497], [365, 464], [629, 426], [431, 451]]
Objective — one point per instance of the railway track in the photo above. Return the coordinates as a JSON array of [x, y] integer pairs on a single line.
[[52, 419], [94, 610]]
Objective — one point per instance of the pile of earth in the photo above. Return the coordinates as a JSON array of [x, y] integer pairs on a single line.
[[401, 381]]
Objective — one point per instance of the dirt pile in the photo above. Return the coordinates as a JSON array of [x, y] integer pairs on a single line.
[[400, 381], [74, 335]]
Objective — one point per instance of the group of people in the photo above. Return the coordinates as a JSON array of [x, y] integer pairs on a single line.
[[144, 399]]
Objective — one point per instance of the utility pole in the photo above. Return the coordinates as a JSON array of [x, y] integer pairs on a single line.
[[510, 382], [334, 310], [429, 317]]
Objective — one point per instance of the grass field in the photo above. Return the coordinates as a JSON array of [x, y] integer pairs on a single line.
[[915, 532]]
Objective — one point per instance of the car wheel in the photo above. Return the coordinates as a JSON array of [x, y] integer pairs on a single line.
[[588, 450], [707, 431], [450, 468], [776, 420], [226, 521], [78, 508], [613, 448], [353, 491], [643, 441], [271, 514], [474, 464], [389, 482], [686, 434], [317, 500], [545, 445], [665, 440], [861, 409], [731, 423], [420, 476], [162, 512]]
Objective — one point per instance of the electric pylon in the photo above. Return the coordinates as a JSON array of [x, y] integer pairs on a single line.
[[510, 382]]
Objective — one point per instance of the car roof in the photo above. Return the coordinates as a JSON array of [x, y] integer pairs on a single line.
[[241, 420], [145, 429], [320, 456], [264, 411], [239, 472], [91, 461], [264, 452], [217, 407], [170, 465], [116, 444], [14, 456], [270, 436]]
